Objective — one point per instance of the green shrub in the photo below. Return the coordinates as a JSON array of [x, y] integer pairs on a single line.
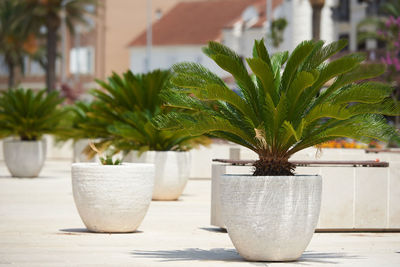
[[77, 124], [125, 107], [28, 114]]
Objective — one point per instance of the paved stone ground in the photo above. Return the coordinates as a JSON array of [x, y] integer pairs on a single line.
[[39, 226]]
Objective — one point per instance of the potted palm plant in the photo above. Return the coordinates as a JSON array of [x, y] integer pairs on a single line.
[[127, 105], [112, 197], [73, 130], [26, 116], [282, 108]]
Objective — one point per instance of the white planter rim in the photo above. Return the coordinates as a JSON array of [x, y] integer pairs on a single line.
[[99, 165], [23, 141], [297, 176], [160, 151]]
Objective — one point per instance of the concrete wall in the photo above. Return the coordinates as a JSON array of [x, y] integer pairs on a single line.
[[242, 42], [124, 20], [165, 56], [299, 15]]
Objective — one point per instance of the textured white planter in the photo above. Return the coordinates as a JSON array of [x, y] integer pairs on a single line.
[[270, 218], [171, 174], [24, 158], [112, 198], [79, 146]]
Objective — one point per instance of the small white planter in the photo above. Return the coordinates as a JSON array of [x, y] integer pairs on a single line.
[[112, 198], [171, 174], [270, 218], [24, 158]]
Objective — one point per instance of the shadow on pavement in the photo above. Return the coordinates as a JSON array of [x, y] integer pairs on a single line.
[[230, 255], [214, 229], [216, 254], [78, 231], [323, 257], [40, 177]]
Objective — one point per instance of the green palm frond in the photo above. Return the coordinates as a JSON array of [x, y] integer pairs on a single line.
[[29, 115], [78, 123], [125, 107], [277, 115]]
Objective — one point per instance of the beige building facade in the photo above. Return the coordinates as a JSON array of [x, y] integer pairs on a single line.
[[99, 50]]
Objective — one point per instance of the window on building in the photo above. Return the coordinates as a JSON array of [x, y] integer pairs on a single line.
[[81, 60], [362, 45], [35, 69], [342, 11], [381, 44], [345, 36], [374, 7]]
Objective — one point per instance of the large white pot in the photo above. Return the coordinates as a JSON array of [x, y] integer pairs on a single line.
[[171, 174], [24, 158], [270, 218], [112, 198]]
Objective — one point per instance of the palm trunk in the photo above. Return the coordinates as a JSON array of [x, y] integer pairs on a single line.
[[51, 58], [316, 22], [11, 73], [273, 166]]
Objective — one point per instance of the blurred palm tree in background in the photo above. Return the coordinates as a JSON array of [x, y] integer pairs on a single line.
[[316, 6], [15, 41], [49, 14]]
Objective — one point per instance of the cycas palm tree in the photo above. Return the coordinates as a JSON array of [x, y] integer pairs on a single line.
[[281, 112], [48, 13], [122, 113], [15, 42], [75, 119], [316, 6], [28, 114]]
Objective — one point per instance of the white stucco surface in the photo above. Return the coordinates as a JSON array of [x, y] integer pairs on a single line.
[[163, 57]]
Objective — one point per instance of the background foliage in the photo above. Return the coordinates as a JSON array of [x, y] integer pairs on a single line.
[[123, 112]]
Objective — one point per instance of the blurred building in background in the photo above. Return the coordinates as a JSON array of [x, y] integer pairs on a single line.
[[116, 38], [180, 33], [347, 14], [97, 49]]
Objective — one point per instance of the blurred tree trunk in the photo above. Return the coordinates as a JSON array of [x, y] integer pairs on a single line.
[[51, 77], [11, 73], [317, 6]]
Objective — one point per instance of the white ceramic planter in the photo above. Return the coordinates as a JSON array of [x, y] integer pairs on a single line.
[[171, 173], [112, 198], [270, 218], [24, 158]]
